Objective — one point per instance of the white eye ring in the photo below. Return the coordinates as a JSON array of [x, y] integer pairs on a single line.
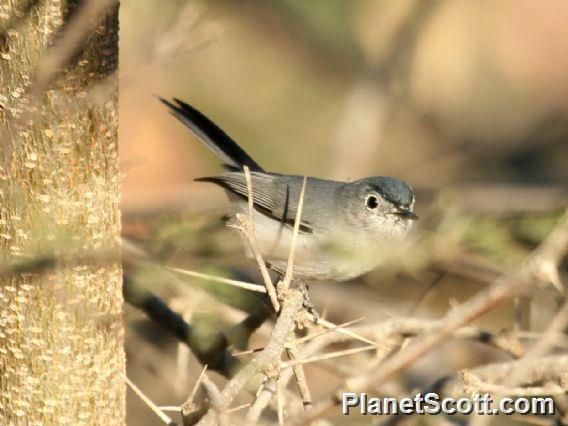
[[371, 202]]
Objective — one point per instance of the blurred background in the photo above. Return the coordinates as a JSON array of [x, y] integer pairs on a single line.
[[466, 100]]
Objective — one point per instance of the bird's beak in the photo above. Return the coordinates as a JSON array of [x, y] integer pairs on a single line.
[[406, 214]]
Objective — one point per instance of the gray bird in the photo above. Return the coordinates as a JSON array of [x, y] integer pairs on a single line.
[[343, 225]]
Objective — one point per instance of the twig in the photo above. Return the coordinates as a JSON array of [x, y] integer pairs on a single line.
[[290, 265], [305, 339], [486, 378], [349, 333], [178, 409], [260, 289], [217, 403], [408, 327], [286, 375], [172, 408], [542, 345], [280, 401], [238, 408], [300, 375], [533, 356], [504, 288], [189, 406], [269, 357], [221, 280], [331, 355], [312, 336], [247, 229], [163, 416], [265, 394], [499, 390], [560, 341], [250, 351], [483, 380]]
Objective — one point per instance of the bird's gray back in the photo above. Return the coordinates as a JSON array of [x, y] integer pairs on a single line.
[[319, 200], [277, 196]]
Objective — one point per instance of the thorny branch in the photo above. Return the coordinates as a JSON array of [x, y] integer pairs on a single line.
[[268, 359], [546, 257], [541, 266], [269, 363], [247, 229], [215, 353], [496, 378]]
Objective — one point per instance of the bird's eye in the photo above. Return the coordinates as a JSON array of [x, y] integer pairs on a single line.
[[371, 202]]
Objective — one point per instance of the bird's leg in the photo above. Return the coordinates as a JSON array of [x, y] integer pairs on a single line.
[[308, 304], [300, 285]]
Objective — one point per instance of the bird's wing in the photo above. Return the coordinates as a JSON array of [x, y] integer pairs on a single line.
[[271, 195]]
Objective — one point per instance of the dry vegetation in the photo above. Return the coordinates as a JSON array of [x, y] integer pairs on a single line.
[[389, 348], [474, 297], [474, 302]]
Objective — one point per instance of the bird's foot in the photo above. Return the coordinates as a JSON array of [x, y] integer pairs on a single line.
[[308, 304]]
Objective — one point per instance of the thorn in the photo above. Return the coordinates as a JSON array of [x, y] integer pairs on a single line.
[[548, 272]]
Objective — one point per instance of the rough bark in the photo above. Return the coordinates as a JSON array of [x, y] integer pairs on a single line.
[[61, 333]]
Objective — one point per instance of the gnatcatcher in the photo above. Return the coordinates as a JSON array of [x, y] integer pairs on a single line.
[[342, 223]]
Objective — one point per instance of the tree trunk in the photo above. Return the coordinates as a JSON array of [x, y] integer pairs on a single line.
[[61, 332]]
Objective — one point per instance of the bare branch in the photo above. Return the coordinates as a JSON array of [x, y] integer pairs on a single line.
[[263, 398], [482, 379], [240, 284], [503, 289], [189, 406], [326, 331], [300, 375], [532, 357], [331, 355], [290, 265], [280, 401], [349, 333], [162, 416], [247, 229], [267, 358], [409, 327]]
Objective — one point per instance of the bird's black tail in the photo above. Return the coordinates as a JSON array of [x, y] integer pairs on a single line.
[[232, 155]]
